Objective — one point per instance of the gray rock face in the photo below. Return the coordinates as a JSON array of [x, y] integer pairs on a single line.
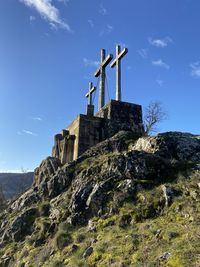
[[100, 180], [4, 261], [21, 225], [168, 194], [165, 256], [29, 198], [88, 252], [174, 145], [46, 169]]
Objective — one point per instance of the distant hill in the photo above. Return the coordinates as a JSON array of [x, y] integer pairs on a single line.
[[13, 184]]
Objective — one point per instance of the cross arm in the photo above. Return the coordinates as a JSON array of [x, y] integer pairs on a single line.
[[122, 54], [91, 91], [103, 64], [97, 73]]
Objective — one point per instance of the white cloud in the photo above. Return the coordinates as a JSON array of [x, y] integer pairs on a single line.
[[160, 42], [26, 132], [108, 29], [29, 132], [143, 53], [32, 18], [160, 82], [37, 119], [160, 63], [48, 12], [53, 26], [195, 69], [102, 10], [91, 23], [90, 63]]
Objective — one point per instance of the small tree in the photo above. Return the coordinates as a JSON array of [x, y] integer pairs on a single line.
[[154, 114]]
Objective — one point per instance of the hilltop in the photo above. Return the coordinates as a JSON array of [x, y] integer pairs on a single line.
[[124, 202]]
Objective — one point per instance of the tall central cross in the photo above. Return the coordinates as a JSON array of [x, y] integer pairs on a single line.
[[92, 89], [101, 71], [117, 62]]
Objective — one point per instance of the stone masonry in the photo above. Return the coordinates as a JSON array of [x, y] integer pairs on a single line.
[[88, 130]]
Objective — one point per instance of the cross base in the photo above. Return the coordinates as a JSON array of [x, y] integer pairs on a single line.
[[90, 110]]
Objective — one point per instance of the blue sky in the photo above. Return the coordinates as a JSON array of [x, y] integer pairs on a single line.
[[49, 50]]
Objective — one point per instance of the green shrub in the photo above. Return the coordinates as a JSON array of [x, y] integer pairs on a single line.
[[62, 239], [57, 263], [125, 220], [44, 209], [80, 237], [174, 261]]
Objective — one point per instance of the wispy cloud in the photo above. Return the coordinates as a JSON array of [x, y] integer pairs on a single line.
[[48, 11], [26, 132], [161, 43], [32, 18], [37, 119], [29, 132], [159, 82], [90, 63], [160, 63], [91, 23], [143, 52], [195, 69], [102, 10], [107, 30]]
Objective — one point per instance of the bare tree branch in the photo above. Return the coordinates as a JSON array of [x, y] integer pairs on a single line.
[[154, 114]]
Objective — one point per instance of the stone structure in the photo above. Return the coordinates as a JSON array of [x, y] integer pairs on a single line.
[[90, 106], [117, 62], [102, 73], [88, 130]]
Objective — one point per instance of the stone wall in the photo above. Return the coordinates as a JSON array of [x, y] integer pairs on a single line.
[[91, 132], [63, 148], [122, 116], [87, 130]]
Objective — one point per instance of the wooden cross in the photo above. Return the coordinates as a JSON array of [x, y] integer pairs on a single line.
[[92, 89], [102, 73], [117, 61]]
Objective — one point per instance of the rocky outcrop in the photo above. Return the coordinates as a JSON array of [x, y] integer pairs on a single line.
[[99, 181], [171, 145], [21, 225], [46, 169]]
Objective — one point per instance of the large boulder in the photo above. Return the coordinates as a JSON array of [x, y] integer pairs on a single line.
[[172, 145]]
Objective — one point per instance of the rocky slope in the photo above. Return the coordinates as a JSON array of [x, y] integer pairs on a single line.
[[125, 202]]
